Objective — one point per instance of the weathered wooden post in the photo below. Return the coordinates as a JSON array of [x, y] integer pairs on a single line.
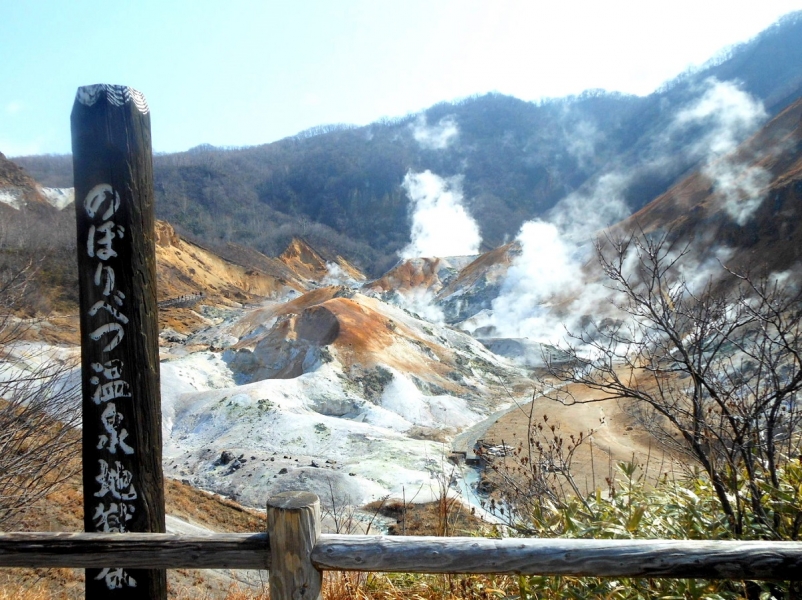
[[122, 444], [293, 527]]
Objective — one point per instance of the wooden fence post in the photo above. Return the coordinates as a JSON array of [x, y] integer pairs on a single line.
[[122, 444], [293, 528]]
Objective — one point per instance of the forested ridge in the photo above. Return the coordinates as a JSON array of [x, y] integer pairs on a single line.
[[340, 188]]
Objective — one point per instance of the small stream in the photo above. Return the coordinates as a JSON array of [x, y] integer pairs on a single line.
[[469, 476], [466, 486]]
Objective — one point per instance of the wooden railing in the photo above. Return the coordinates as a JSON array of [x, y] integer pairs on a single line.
[[296, 553]]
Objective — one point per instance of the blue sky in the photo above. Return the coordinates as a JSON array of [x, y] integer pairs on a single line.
[[240, 73]]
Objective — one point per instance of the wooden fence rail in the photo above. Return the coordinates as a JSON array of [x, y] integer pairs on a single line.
[[296, 554], [408, 554]]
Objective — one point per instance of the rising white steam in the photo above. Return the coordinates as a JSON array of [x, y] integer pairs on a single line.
[[580, 216], [422, 303], [741, 187], [440, 224], [545, 291], [548, 273], [581, 139], [336, 275], [545, 269], [436, 137], [729, 114]]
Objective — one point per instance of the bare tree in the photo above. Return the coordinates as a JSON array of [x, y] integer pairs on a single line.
[[715, 370], [535, 472], [39, 404]]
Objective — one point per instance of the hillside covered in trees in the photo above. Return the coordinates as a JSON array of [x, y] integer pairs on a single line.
[[340, 186]]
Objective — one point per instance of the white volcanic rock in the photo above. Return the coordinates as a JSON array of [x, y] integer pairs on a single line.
[[309, 426], [334, 392], [13, 197], [59, 198]]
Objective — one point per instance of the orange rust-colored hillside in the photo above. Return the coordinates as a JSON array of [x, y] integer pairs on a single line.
[[360, 333], [185, 268], [308, 264], [491, 265], [412, 274]]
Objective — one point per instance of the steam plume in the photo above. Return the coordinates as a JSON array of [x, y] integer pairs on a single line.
[[549, 271], [546, 291], [436, 137], [440, 224], [729, 114]]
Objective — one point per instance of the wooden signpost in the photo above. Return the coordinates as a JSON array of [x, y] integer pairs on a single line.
[[122, 444]]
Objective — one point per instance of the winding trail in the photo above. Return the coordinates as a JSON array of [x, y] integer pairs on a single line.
[[466, 441]]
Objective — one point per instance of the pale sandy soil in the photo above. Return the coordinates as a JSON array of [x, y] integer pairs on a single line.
[[616, 438]]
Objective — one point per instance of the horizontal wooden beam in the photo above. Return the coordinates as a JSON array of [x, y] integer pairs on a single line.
[[135, 550], [527, 556], [581, 558]]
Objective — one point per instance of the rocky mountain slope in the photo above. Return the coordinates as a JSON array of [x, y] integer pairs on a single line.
[[17, 188], [335, 391], [272, 377], [38, 237], [747, 204]]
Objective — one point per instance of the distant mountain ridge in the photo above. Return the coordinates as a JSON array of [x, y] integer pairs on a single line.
[[340, 187]]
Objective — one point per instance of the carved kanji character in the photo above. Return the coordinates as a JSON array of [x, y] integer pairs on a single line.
[[113, 518], [115, 480], [116, 578], [114, 388], [111, 421], [111, 369], [101, 195], [110, 391]]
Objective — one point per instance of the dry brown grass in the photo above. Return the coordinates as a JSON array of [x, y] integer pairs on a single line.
[[446, 517], [616, 437], [211, 510], [383, 586], [62, 510]]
